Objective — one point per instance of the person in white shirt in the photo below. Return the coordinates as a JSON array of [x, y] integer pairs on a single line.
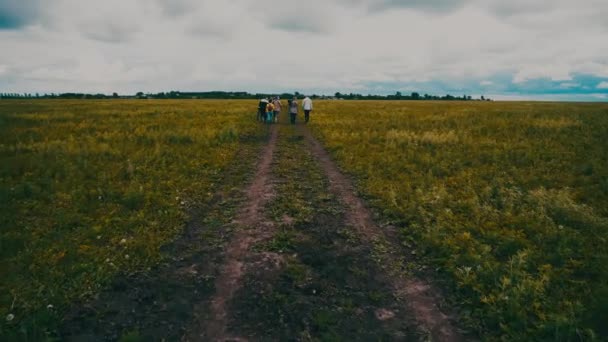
[[307, 107]]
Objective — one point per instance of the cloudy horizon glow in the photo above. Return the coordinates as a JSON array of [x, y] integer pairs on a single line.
[[535, 49]]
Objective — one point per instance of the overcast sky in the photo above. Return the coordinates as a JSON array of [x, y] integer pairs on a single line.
[[553, 49]]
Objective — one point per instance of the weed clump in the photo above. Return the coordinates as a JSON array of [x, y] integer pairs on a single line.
[[507, 201], [90, 189]]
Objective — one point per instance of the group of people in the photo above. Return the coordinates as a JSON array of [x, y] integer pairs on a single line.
[[270, 109]]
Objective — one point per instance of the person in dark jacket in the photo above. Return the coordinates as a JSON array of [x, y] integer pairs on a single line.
[[262, 110]]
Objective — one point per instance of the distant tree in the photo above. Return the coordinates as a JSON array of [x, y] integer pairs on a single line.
[[240, 95]]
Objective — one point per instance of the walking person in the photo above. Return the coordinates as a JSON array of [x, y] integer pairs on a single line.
[[293, 110], [262, 110], [277, 108], [269, 112], [307, 107]]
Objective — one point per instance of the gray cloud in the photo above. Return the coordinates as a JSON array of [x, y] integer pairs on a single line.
[[432, 6], [297, 24], [15, 14], [209, 30], [110, 32], [424, 5], [110, 21], [176, 8], [519, 7], [293, 16], [318, 45]]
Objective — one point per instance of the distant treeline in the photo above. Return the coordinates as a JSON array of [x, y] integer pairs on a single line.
[[239, 95]]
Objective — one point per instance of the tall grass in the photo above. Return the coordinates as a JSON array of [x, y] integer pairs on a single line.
[[92, 188], [509, 201]]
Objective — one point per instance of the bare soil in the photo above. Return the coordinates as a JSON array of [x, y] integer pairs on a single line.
[[292, 256], [421, 298], [325, 285], [251, 228], [161, 303]]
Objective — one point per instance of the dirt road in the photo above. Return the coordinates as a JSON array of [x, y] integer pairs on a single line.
[[293, 255]]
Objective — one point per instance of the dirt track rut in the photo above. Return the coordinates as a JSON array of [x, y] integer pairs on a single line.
[[419, 295], [298, 261], [250, 228]]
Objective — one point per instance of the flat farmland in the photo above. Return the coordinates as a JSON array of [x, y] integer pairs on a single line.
[[507, 202], [91, 189], [188, 219]]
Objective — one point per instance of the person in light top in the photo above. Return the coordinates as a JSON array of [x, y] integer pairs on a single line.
[[269, 112], [307, 107], [277, 108], [293, 110]]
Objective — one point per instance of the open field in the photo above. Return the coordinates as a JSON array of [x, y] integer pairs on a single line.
[[507, 201], [90, 189], [143, 210]]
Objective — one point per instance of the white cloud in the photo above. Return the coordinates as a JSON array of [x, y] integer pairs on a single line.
[[554, 72], [266, 45], [569, 85], [592, 97], [602, 85]]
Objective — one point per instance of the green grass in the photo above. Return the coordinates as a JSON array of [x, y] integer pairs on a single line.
[[90, 189], [327, 286], [508, 201]]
